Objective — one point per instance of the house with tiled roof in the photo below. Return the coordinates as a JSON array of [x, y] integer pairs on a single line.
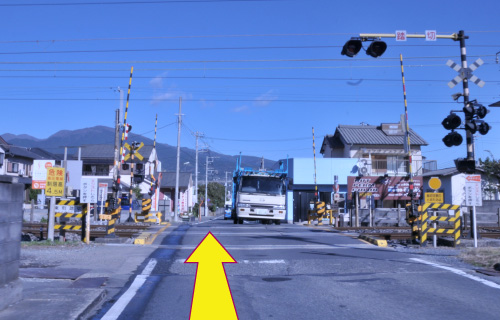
[[167, 192], [380, 149], [16, 163]]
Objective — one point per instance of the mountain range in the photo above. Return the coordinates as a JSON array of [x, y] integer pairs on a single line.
[[166, 153]]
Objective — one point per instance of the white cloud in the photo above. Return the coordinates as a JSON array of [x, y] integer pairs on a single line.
[[160, 97], [240, 109], [265, 99]]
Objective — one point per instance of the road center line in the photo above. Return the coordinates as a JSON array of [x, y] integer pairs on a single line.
[[459, 272], [115, 311]]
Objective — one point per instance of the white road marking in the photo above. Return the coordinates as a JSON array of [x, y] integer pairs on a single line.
[[282, 247], [124, 300], [460, 273], [248, 261]]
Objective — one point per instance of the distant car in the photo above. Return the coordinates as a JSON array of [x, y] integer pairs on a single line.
[[227, 212]]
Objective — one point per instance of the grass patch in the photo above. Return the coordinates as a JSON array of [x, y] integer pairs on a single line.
[[481, 257]]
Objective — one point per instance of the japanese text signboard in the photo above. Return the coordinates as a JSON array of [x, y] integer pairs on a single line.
[[384, 188], [55, 182], [434, 197], [473, 194], [400, 35], [40, 173], [88, 190]]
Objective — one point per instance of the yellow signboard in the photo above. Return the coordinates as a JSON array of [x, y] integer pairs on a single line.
[[434, 197], [434, 183], [55, 182], [105, 216]]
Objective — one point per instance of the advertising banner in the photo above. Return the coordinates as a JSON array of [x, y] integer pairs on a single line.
[[383, 188], [40, 173]]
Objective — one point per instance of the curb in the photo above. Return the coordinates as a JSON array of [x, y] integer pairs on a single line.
[[90, 307], [149, 237], [373, 240]]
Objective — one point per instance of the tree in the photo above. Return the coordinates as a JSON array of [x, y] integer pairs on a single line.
[[137, 192], [215, 194], [491, 168]]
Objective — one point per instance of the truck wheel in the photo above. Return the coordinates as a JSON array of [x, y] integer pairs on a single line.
[[278, 222], [240, 221], [235, 220]]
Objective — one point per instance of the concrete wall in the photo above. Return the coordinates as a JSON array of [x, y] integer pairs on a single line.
[[11, 213]]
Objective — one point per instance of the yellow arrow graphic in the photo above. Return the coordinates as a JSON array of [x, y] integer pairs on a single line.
[[212, 297]]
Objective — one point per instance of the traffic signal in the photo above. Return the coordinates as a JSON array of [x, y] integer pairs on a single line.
[[484, 128], [351, 47], [116, 185], [465, 166], [452, 121], [139, 167], [125, 166], [453, 139], [376, 49]]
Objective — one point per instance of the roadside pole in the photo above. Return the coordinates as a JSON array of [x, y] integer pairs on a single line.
[[87, 223], [474, 225], [52, 213]]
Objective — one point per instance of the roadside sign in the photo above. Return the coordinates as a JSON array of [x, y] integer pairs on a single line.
[[74, 173], [55, 182], [434, 183], [336, 196], [105, 217], [68, 209], [88, 190], [473, 193], [103, 191], [40, 173], [430, 35], [400, 35], [434, 197]]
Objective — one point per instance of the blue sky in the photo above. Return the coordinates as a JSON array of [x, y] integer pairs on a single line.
[[254, 76]]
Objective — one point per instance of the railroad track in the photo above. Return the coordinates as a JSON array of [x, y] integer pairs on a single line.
[[403, 233], [96, 231]]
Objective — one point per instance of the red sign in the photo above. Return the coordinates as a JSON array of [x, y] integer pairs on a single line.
[[475, 178], [384, 188], [400, 35]]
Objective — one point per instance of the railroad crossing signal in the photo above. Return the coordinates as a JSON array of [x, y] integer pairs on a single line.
[[136, 151], [465, 73]]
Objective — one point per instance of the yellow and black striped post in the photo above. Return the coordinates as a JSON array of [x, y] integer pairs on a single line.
[[427, 219], [113, 217]]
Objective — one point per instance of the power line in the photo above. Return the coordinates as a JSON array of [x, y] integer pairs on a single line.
[[129, 62], [122, 3], [230, 78], [227, 100], [257, 140], [217, 48]]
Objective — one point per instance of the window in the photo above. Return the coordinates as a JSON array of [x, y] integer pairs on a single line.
[[12, 167], [2, 158]]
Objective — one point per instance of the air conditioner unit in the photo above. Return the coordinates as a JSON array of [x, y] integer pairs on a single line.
[[364, 167]]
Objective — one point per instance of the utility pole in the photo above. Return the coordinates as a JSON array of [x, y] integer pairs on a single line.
[[207, 163], [197, 135], [179, 122], [225, 186]]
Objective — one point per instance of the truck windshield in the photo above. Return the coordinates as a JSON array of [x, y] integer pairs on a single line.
[[265, 185]]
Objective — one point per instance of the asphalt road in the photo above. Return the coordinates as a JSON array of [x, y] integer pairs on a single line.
[[296, 272]]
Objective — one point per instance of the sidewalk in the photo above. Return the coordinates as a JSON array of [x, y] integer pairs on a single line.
[[69, 282], [72, 281]]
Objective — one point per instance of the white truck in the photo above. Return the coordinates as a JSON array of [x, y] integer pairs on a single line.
[[259, 194]]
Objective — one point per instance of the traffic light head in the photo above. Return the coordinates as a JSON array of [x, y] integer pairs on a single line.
[[452, 121], [481, 111], [376, 48], [139, 166], [453, 139], [351, 48], [125, 166], [484, 128], [471, 126]]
